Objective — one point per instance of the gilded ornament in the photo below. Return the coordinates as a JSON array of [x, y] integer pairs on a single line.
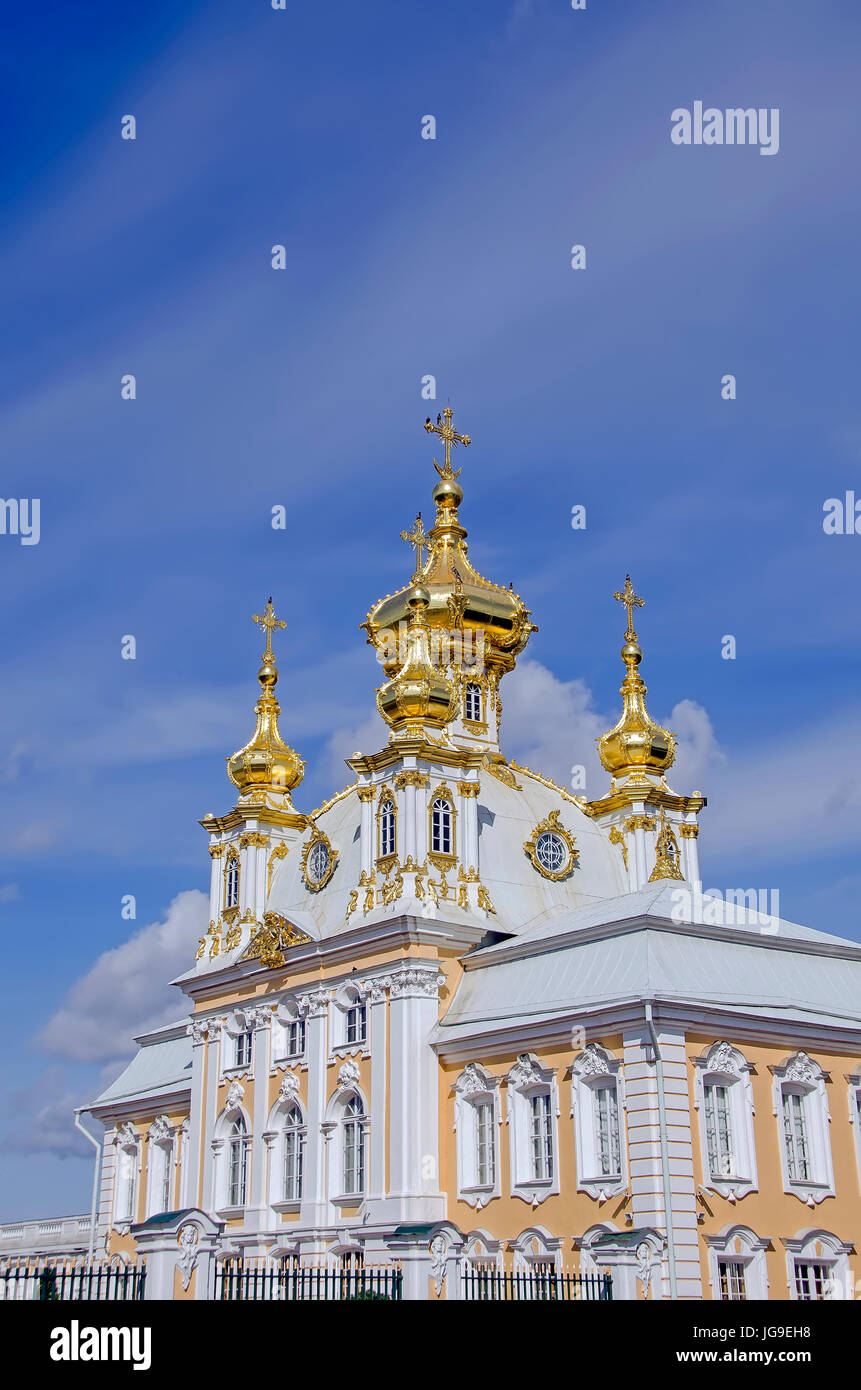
[[319, 860], [639, 823], [366, 793], [617, 838], [233, 937], [688, 832], [666, 854], [216, 851], [353, 903], [280, 851], [468, 788], [503, 774], [411, 778], [552, 848], [484, 899], [255, 838], [274, 938]]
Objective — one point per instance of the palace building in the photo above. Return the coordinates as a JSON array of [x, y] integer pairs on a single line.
[[460, 1021]]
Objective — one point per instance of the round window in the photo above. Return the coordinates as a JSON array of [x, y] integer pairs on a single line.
[[318, 862], [551, 851]]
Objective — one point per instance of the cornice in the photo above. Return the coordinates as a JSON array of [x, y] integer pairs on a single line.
[[624, 797], [519, 949], [265, 815], [394, 753]]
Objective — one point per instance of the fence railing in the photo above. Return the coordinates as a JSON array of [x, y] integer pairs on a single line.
[[530, 1285], [48, 1283], [271, 1282]]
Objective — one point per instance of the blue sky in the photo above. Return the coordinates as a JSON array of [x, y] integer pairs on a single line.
[[302, 388]]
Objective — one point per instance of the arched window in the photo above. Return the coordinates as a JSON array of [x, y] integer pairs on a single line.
[[442, 838], [159, 1163], [354, 1147], [472, 702], [293, 1154], [231, 882], [237, 1159], [387, 828], [125, 1182]]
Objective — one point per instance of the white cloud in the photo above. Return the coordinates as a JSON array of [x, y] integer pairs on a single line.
[[549, 725], [41, 1119], [126, 990], [697, 750]]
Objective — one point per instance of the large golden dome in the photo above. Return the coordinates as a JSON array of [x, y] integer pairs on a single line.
[[459, 598], [636, 745]]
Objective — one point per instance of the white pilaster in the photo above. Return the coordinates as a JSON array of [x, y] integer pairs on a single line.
[[192, 1193], [644, 1151], [414, 1192], [316, 1046], [208, 1107]]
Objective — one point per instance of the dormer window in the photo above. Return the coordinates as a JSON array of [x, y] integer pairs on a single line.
[[472, 703], [231, 882], [442, 839], [387, 828]]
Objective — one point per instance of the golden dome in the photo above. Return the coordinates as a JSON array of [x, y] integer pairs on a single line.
[[266, 764], [420, 695], [459, 598], [636, 745]]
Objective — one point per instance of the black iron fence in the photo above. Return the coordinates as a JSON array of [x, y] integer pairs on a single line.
[[535, 1285], [49, 1283], [236, 1279]]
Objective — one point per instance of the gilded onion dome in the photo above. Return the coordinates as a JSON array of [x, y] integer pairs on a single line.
[[420, 695], [458, 596], [636, 745], [266, 764]]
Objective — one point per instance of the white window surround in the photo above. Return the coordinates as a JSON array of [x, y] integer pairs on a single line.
[[528, 1079], [289, 1018], [741, 1244], [593, 1069], [126, 1174], [475, 1087], [238, 1022], [588, 1264], [160, 1166], [348, 997], [855, 1116], [800, 1075], [334, 1128], [480, 1251], [815, 1246], [220, 1143], [275, 1138], [536, 1247], [726, 1066]]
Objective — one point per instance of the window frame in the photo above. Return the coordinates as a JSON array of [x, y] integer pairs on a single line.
[[526, 1080], [594, 1069], [814, 1246], [474, 1088], [741, 1245], [126, 1182], [801, 1075], [726, 1066]]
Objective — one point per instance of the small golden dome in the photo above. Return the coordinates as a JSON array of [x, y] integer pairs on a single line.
[[419, 695], [635, 745], [266, 764]]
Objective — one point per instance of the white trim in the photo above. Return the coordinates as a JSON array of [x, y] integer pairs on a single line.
[[741, 1244], [816, 1246], [799, 1074], [593, 1069], [725, 1065], [476, 1087], [526, 1080]]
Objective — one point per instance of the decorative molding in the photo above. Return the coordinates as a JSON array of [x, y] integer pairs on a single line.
[[639, 823], [687, 831], [235, 1093], [280, 851], [366, 793], [468, 788], [216, 851], [188, 1240], [275, 937], [318, 837], [617, 838], [411, 778], [289, 1088], [254, 838], [348, 1075], [551, 826]]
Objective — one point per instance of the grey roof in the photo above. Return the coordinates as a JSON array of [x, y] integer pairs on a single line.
[[162, 1064], [631, 948]]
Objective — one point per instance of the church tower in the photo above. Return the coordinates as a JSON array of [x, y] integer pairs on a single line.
[[654, 828]]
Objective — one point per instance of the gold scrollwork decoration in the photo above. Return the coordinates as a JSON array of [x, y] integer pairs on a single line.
[[318, 864], [551, 826], [274, 938]]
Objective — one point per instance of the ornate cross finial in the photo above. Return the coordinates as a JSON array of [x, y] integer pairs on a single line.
[[268, 621], [449, 436], [631, 601], [418, 538]]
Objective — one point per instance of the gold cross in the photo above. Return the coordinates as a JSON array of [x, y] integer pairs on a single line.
[[419, 539], [631, 601], [268, 621], [449, 436]]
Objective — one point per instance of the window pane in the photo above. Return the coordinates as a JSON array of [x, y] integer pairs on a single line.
[[731, 1278]]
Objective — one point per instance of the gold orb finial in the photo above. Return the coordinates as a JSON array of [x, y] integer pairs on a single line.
[[266, 763], [636, 744]]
